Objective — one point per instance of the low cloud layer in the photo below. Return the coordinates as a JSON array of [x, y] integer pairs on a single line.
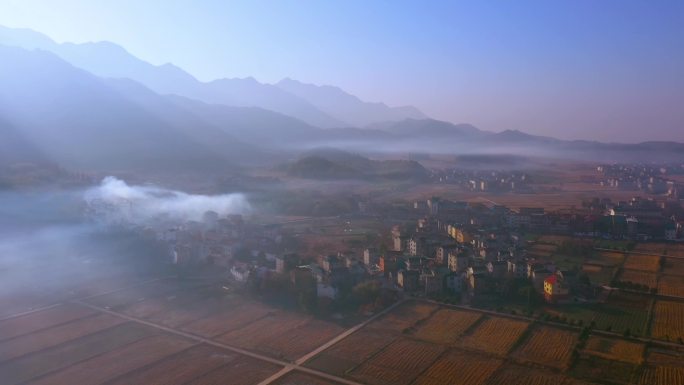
[[119, 201]]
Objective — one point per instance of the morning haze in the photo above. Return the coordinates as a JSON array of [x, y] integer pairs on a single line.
[[360, 193]]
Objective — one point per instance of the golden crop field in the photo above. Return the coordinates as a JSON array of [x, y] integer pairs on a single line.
[[446, 325], [671, 285], [668, 320], [460, 368], [399, 362], [662, 375], [615, 349], [642, 262], [548, 346], [640, 277], [495, 335], [613, 258]]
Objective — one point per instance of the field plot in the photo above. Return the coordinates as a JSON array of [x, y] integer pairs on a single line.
[[107, 366], [228, 319], [298, 378], [24, 368], [623, 311], [676, 250], [45, 338], [511, 374], [495, 335], [672, 285], [351, 351], [184, 312], [241, 371], [446, 325], [615, 349], [639, 277], [553, 239], [460, 368], [548, 346], [668, 320], [541, 250], [649, 263], [32, 322], [132, 295], [655, 248], [612, 258], [257, 335], [592, 368], [674, 266], [301, 340], [404, 316], [662, 375], [665, 358], [398, 363], [180, 368]]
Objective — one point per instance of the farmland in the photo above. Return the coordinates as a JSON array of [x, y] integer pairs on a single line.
[[615, 349], [672, 285], [650, 263], [511, 374], [495, 335], [674, 266], [446, 325], [639, 277], [662, 375], [667, 320], [398, 363], [547, 346], [405, 316], [460, 368]]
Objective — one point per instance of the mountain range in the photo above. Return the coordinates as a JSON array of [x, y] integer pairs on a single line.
[[321, 106], [94, 106]]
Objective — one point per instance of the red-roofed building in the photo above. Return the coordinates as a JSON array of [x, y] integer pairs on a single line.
[[555, 289]]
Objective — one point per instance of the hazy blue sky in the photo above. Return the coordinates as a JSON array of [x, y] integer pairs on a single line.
[[603, 69]]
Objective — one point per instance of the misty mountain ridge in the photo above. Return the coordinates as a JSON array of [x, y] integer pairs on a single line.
[[321, 108]]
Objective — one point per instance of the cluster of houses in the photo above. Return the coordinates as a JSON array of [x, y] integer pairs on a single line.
[[648, 178], [492, 181], [441, 247]]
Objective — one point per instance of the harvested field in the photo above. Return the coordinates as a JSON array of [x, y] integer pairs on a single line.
[[303, 339], [674, 266], [446, 325], [675, 250], [32, 322], [108, 366], [132, 295], [662, 375], [460, 368], [398, 363], [548, 346], [46, 338], [351, 351], [180, 368], [241, 371], [597, 369], [613, 258], [655, 248], [665, 358], [61, 356], [672, 285], [649, 263], [511, 374], [404, 316], [639, 277], [183, 312], [256, 335], [495, 335], [615, 349], [668, 321], [227, 320]]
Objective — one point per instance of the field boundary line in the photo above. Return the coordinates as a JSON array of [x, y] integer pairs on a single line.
[[286, 365]]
